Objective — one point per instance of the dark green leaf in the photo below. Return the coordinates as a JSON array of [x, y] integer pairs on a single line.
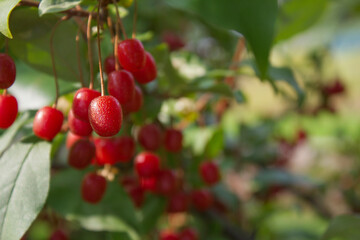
[[239, 96], [153, 208], [54, 6], [6, 6], [24, 184], [115, 212], [346, 227], [298, 15], [216, 144]]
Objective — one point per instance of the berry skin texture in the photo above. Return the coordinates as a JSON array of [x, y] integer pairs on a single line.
[[168, 236], [148, 73], [81, 154], [47, 123], [202, 199], [121, 85], [131, 55], [82, 100], [109, 64], [78, 126], [166, 182], [59, 235], [136, 103], [209, 172], [188, 234], [93, 188], [7, 71], [150, 137], [147, 164], [173, 140], [178, 203], [8, 111], [105, 116]]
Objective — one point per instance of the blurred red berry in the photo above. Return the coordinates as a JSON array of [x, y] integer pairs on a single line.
[[150, 137], [209, 172]]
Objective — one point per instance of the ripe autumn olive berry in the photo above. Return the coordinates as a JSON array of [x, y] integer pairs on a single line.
[[121, 85], [209, 172], [131, 55], [178, 203], [78, 126], [47, 123], [202, 199], [136, 103], [8, 111], [7, 71], [166, 182], [173, 140], [150, 137], [93, 188], [59, 235], [81, 154], [188, 234], [105, 116], [147, 164], [148, 73], [168, 236], [109, 64], [81, 102]]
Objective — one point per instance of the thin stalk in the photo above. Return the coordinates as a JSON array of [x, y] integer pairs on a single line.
[[88, 36], [5, 92], [99, 52], [135, 18], [81, 76], [119, 21]]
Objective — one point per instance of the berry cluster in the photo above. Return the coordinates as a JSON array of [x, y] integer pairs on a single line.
[[185, 234]]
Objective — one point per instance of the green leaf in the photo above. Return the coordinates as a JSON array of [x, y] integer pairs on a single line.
[[153, 208], [8, 136], [298, 15], [216, 144], [345, 227], [115, 212], [240, 96], [286, 74], [6, 6], [255, 19], [24, 184], [54, 6]]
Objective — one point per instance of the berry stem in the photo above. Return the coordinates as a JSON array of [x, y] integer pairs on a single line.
[[99, 52], [5, 92], [88, 36], [77, 38], [53, 57], [119, 21], [111, 30], [135, 18]]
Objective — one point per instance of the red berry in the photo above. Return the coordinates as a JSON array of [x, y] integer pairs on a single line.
[[136, 103], [129, 182], [47, 123], [166, 182], [121, 85], [8, 110], [137, 195], [147, 164], [188, 234], [209, 172], [178, 203], [126, 149], [301, 136], [150, 137], [78, 126], [168, 236], [148, 183], [82, 100], [131, 54], [107, 150], [72, 138], [109, 64], [93, 188], [148, 73], [173, 41], [7, 71], [105, 116], [173, 140], [202, 199], [81, 154], [59, 235]]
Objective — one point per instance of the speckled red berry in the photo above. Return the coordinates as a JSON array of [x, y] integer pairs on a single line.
[[148, 73], [121, 85], [81, 154], [7, 71], [105, 116], [148, 183], [202, 199], [78, 126], [150, 137], [173, 140], [136, 103], [109, 64], [209, 172], [147, 164], [107, 150], [47, 123], [59, 235], [188, 234], [8, 111], [93, 188], [131, 54], [82, 100], [166, 183]]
